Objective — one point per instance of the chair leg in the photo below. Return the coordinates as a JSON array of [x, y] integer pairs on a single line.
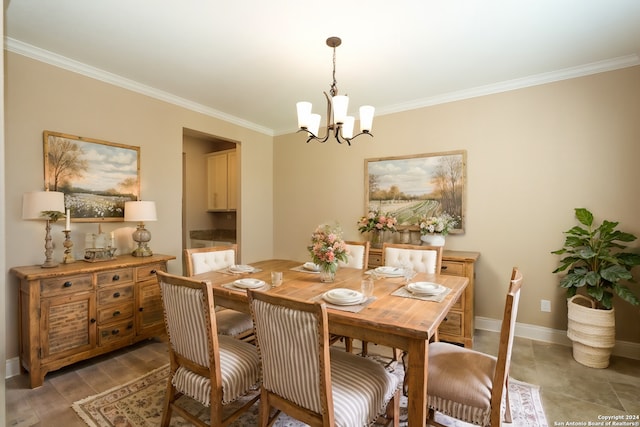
[[348, 344], [265, 409], [507, 412], [365, 348], [169, 398]]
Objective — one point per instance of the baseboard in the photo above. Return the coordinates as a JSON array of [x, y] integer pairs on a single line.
[[12, 367], [626, 349]]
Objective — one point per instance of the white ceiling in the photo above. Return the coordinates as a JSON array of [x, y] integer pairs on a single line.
[[250, 61]]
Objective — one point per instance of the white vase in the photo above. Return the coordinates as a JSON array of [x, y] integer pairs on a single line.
[[433, 239]]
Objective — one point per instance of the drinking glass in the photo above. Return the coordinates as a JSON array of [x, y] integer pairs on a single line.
[[366, 287], [276, 278]]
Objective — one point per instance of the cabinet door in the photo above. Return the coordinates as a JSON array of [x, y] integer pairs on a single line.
[[68, 325], [232, 181], [150, 317], [217, 182]]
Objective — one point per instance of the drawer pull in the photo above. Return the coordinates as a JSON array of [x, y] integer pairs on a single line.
[[115, 332], [92, 320], [444, 267], [116, 313], [445, 319], [67, 284], [154, 271], [116, 295], [130, 326], [141, 309], [115, 278]]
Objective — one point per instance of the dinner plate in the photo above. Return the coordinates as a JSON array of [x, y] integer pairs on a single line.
[[390, 271], [241, 268], [311, 266], [341, 296], [249, 283], [425, 288]]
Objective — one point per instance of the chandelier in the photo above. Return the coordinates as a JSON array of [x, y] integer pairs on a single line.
[[338, 122]]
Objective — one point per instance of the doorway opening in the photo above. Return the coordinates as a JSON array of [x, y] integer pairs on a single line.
[[210, 190]]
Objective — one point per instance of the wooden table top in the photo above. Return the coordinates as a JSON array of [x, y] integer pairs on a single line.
[[404, 318]]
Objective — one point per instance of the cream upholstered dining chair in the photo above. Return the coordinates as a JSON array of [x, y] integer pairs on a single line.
[[423, 259], [212, 369], [358, 255], [307, 380], [200, 260], [469, 385]]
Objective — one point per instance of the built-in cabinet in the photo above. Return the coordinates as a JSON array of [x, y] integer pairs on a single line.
[[76, 311], [458, 326], [222, 181]]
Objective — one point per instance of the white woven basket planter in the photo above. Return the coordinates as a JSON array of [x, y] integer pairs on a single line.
[[592, 331]]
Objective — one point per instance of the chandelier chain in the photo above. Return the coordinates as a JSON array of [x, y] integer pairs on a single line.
[[334, 85]]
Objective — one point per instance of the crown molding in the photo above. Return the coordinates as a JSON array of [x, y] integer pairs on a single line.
[[33, 52], [524, 82]]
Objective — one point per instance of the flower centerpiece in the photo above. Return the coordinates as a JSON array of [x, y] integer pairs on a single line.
[[327, 248], [376, 223], [434, 228]]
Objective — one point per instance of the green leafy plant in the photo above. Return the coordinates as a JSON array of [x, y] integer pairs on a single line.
[[593, 259]]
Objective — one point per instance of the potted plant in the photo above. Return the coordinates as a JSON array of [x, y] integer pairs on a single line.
[[596, 264]]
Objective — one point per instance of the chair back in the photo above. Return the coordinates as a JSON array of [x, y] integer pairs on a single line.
[[201, 260], [358, 256], [507, 330], [423, 259], [293, 342], [190, 323]]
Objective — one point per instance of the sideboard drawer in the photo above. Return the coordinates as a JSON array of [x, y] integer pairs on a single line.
[[110, 277], [116, 312], [149, 271], [67, 284], [115, 332], [453, 268], [113, 295]]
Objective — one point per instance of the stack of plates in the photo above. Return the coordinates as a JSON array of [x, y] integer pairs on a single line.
[[241, 269], [341, 296], [311, 266], [249, 283], [425, 288], [390, 271]]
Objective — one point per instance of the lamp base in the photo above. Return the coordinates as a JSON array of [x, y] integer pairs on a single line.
[[142, 250], [142, 236]]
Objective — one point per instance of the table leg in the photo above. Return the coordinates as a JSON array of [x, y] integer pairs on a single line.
[[417, 356]]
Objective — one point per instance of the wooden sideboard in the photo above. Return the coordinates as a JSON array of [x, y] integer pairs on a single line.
[[76, 311], [458, 325]]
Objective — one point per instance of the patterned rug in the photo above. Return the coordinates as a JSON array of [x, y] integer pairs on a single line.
[[139, 404]]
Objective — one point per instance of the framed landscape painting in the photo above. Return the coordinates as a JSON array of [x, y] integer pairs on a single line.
[[409, 187], [96, 177]]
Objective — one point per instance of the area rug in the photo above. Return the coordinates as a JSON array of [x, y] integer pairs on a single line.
[[139, 404]]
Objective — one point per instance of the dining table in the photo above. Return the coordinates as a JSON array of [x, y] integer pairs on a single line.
[[391, 317]]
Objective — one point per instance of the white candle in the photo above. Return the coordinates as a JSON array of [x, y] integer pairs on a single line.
[[68, 225]]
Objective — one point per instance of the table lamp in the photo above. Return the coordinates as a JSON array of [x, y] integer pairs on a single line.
[[140, 212], [44, 206]]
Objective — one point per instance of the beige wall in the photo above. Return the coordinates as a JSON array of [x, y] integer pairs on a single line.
[[41, 97], [533, 155]]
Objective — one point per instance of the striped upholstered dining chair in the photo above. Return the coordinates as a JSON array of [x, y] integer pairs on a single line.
[[307, 380], [212, 369], [469, 385], [200, 260]]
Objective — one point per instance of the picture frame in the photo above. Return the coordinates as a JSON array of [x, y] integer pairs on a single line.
[[96, 177], [412, 186]]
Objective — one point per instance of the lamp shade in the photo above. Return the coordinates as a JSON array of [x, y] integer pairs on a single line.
[[36, 202], [140, 211]]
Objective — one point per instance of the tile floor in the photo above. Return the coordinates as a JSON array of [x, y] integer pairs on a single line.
[[571, 393]]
